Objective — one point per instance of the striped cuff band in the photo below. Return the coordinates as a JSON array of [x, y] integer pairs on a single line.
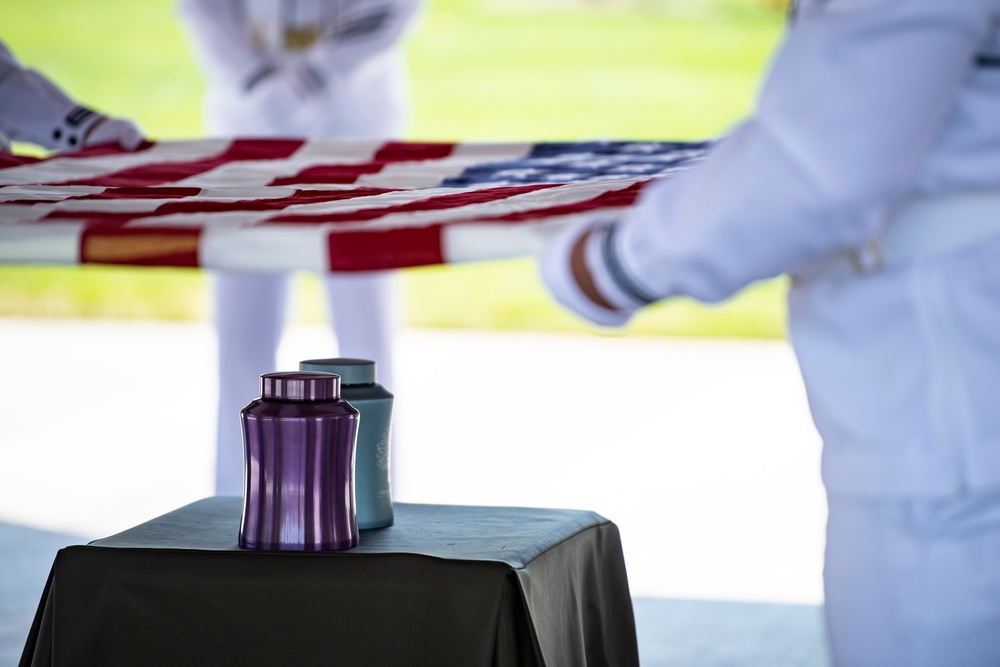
[[617, 271]]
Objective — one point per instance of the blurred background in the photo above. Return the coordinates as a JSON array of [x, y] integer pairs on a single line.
[[517, 70]]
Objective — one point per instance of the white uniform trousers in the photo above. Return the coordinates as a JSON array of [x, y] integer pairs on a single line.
[[250, 311], [914, 582]]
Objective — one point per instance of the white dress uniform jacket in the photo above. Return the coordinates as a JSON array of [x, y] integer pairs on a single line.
[[879, 120], [308, 68]]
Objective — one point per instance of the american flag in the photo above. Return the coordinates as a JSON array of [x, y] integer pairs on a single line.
[[320, 205]]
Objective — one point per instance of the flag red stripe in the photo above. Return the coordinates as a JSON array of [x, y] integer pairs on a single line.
[[112, 194], [31, 202], [10, 160], [388, 153], [333, 174], [401, 151], [385, 249]]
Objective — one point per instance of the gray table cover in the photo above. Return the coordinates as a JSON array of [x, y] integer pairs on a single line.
[[444, 585]]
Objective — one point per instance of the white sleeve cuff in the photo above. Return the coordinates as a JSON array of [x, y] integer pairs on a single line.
[[556, 270], [613, 279]]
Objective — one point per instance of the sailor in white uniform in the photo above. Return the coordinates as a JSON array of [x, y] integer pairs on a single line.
[[34, 110], [304, 68], [870, 173]]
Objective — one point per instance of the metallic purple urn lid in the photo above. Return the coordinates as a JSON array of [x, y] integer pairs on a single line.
[[300, 386]]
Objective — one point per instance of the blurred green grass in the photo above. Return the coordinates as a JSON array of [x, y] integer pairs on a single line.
[[481, 70]]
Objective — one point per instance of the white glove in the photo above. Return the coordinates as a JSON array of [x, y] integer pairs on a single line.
[[575, 270], [35, 111], [280, 96], [119, 131]]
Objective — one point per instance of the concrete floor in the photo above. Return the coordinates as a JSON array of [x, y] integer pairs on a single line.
[[701, 451]]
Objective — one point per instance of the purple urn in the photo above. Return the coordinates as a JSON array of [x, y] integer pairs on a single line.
[[299, 440]]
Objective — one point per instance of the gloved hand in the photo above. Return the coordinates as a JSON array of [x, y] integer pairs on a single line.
[[279, 95], [574, 266], [119, 131]]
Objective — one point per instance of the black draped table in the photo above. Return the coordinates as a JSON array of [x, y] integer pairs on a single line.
[[445, 585]]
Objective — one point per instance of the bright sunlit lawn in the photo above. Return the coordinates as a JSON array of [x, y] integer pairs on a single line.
[[481, 70]]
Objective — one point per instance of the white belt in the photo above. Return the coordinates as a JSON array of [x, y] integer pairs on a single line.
[[922, 228]]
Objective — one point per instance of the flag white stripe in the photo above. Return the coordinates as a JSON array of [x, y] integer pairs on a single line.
[[56, 243], [266, 249], [43, 193]]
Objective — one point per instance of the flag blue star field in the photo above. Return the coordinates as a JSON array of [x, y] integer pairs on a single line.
[[322, 205]]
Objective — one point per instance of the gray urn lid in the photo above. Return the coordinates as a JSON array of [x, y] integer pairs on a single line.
[[351, 371]]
